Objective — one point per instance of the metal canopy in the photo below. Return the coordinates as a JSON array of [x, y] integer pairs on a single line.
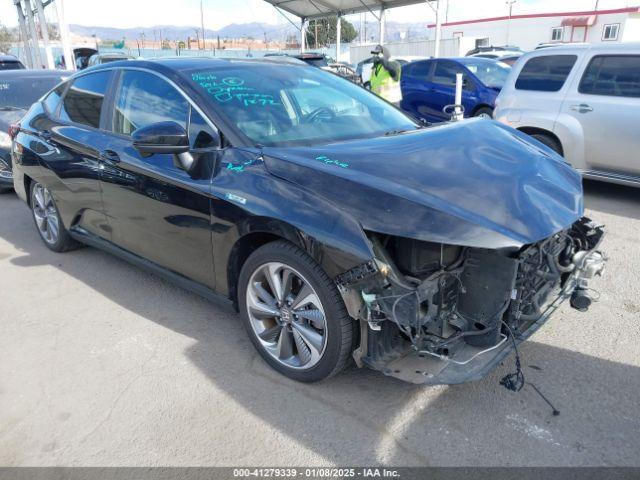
[[313, 9]]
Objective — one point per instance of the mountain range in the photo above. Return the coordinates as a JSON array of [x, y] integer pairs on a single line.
[[256, 30]]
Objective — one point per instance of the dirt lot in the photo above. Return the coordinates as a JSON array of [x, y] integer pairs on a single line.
[[104, 364]]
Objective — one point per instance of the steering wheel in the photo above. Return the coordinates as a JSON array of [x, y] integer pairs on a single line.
[[319, 113]]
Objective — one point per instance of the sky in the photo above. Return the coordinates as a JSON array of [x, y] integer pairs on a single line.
[[218, 13]]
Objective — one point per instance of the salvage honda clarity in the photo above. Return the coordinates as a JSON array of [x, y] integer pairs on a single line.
[[338, 227]]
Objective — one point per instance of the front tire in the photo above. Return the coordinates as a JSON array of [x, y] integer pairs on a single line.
[[484, 112], [293, 313], [47, 219], [549, 141]]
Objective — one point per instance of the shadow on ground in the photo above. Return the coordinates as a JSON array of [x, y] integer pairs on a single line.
[[363, 417]]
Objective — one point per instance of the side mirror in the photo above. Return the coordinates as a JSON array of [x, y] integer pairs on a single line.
[[162, 137]]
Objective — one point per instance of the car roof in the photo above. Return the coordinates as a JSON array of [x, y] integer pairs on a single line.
[[4, 57], [18, 74], [572, 48], [177, 64], [473, 60]]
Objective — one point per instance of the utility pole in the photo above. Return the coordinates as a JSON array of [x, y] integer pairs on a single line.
[[204, 45], [510, 4]]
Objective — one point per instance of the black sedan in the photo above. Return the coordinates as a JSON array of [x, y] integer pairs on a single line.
[[337, 226], [19, 88]]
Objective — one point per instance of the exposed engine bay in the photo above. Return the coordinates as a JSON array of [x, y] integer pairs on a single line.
[[436, 313]]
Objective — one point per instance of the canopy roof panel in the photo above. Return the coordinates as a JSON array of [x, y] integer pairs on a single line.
[[310, 9]]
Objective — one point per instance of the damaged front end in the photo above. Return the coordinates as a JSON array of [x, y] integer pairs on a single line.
[[442, 314]]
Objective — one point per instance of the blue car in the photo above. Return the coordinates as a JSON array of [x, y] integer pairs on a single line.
[[429, 85]]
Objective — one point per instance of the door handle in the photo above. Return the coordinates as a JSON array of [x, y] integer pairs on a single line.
[[582, 108], [109, 156]]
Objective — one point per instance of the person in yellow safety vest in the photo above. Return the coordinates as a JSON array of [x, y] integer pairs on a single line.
[[385, 76]]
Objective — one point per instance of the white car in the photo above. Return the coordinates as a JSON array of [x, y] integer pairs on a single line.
[[584, 103]]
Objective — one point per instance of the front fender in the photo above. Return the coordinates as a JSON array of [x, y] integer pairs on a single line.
[[251, 200]]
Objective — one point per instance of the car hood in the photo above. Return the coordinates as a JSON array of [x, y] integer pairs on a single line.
[[475, 183]]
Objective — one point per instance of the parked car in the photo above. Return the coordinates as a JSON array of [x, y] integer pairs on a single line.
[[428, 86], [505, 57], [314, 59], [9, 62], [19, 89], [365, 67], [584, 103], [333, 222], [494, 49], [100, 58]]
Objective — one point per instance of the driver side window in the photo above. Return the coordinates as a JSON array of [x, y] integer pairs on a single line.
[[445, 74], [144, 99]]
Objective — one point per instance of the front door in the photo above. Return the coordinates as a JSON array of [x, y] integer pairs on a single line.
[[605, 101], [156, 210]]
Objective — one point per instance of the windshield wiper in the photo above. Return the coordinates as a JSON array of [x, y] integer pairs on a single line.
[[9, 108], [391, 133]]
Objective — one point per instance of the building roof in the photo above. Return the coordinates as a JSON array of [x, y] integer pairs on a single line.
[[310, 9], [542, 15]]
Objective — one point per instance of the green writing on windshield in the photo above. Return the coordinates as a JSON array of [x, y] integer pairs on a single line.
[[226, 89]]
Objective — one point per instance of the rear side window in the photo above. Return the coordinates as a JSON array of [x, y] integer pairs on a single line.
[[83, 101], [612, 75], [545, 74], [417, 69], [52, 100], [144, 99]]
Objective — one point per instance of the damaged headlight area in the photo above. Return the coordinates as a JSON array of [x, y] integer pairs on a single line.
[[443, 314]]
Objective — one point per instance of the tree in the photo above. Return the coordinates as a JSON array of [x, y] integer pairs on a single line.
[[326, 29], [6, 39]]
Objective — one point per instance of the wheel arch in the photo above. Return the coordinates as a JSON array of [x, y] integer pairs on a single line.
[[255, 232], [543, 131]]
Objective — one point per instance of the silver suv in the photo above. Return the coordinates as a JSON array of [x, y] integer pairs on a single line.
[[583, 101]]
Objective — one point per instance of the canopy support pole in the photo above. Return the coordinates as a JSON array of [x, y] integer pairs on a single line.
[[338, 36], [45, 34], [69, 60], [33, 34], [382, 20], [303, 34], [28, 53]]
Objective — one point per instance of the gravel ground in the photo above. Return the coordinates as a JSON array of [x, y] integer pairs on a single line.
[[104, 364]]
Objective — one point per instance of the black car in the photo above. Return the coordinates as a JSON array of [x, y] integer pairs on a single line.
[[337, 226], [18, 90], [9, 62]]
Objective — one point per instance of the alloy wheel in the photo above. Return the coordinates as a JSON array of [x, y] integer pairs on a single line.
[[45, 214], [287, 316]]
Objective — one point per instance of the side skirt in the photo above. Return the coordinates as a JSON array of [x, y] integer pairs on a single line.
[[82, 236]]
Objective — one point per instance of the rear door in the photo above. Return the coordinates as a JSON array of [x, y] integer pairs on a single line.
[[73, 142], [156, 210], [605, 100]]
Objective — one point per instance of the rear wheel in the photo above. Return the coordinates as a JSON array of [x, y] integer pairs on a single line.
[[294, 313], [549, 141], [47, 218], [484, 112]]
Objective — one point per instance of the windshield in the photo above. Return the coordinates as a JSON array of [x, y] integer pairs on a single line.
[[491, 74], [286, 105], [22, 92]]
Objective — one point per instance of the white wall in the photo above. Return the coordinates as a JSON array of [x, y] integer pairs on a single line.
[[529, 32], [425, 48]]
